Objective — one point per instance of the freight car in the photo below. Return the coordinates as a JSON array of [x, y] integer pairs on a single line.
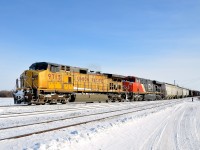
[[171, 91], [194, 93], [54, 83]]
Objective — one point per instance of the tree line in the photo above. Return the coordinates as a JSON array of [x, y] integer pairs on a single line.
[[5, 93]]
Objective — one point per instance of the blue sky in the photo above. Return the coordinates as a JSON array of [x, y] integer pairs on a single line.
[[157, 39]]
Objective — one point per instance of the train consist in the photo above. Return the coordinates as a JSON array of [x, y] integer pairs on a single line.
[[53, 83]]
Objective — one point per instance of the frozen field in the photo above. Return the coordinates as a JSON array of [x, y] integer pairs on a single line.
[[153, 125], [6, 101]]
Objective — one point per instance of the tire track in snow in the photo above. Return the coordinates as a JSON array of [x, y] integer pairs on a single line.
[[188, 137], [180, 130], [157, 139], [177, 128]]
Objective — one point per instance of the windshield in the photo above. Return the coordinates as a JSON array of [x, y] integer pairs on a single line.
[[38, 66]]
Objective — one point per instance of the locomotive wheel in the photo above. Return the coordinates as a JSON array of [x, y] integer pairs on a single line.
[[37, 104], [131, 100], [141, 98], [66, 100], [109, 101], [72, 98]]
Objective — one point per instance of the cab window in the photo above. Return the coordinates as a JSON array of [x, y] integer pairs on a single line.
[[54, 68], [38, 66]]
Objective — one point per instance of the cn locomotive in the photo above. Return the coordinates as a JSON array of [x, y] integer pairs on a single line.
[[52, 83]]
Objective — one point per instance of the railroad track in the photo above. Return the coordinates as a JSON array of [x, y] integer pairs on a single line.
[[70, 103], [10, 106], [68, 111], [25, 105], [27, 114], [56, 110], [63, 114], [65, 109], [76, 120]]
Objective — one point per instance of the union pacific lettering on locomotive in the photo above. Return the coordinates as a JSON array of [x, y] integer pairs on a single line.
[[54, 83]]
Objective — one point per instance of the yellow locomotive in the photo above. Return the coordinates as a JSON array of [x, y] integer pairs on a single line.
[[54, 83]]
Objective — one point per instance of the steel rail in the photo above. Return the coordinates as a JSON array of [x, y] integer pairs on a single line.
[[92, 120]]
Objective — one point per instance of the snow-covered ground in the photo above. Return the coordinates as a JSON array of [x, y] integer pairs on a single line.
[[174, 126], [6, 101]]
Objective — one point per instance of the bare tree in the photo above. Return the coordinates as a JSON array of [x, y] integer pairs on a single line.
[[5, 93]]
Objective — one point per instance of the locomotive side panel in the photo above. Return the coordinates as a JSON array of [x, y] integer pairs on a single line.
[[134, 87], [90, 83], [114, 86], [42, 80], [98, 82], [55, 81]]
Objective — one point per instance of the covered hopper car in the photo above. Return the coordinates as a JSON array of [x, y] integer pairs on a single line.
[[171, 91]]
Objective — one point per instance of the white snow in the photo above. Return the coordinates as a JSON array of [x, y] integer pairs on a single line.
[[6, 101], [175, 126]]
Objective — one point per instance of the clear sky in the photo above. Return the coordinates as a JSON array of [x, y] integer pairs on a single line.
[[154, 39]]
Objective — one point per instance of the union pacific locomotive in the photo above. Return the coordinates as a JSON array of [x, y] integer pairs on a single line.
[[52, 83]]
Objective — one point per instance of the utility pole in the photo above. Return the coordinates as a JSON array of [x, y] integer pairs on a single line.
[[174, 82]]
